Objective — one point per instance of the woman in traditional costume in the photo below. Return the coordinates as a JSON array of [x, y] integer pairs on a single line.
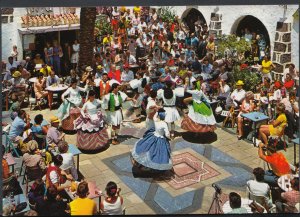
[[69, 110], [91, 133], [200, 118], [153, 151]]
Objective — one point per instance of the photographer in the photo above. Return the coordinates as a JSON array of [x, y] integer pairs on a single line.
[[277, 161]]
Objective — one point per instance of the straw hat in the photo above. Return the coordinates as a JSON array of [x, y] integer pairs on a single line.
[[16, 74], [99, 67], [239, 83], [89, 69]]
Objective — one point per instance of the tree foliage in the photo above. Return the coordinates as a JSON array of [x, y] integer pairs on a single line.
[[167, 14]]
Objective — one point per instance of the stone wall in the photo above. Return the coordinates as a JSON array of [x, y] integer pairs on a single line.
[[282, 47], [215, 26]]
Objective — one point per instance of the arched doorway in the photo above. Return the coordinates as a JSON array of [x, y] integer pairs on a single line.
[[192, 15], [252, 25]]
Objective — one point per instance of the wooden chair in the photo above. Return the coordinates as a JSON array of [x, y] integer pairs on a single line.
[[231, 116], [9, 144], [35, 102]]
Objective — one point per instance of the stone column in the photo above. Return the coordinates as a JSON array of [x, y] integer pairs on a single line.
[[282, 47], [215, 26]]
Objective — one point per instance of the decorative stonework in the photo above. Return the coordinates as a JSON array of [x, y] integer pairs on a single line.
[[215, 26], [282, 47]]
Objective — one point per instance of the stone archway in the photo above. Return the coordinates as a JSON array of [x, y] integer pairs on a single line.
[[253, 24], [192, 15]]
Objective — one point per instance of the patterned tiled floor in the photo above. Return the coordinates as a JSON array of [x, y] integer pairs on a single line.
[[225, 161]]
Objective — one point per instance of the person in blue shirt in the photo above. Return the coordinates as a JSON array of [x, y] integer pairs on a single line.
[[188, 40], [206, 69], [19, 125], [52, 79], [194, 40]]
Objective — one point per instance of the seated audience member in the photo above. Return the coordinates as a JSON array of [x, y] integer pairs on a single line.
[[68, 164], [54, 136], [223, 90], [276, 160], [235, 202], [19, 125], [52, 79], [57, 177], [257, 186], [127, 75], [14, 109], [52, 206], [237, 95], [69, 78], [290, 198], [275, 128], [34, 161], [24, 73], [46, 70], [19, 88], [9, 180], [290, 70], [38, 59], [39, 131], [83, 205], [246, 107], [39, 87], [112, 204], [36, 193]]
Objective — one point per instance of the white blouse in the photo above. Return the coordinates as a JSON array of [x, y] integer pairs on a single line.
[[91, 107], [198, 95], [161, 129], [167, 102], [73, 93], [117, 103]]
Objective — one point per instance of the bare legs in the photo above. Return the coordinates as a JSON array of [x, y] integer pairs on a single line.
[[264, 132]]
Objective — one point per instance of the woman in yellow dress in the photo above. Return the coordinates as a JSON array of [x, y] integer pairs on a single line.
[[275, 128]]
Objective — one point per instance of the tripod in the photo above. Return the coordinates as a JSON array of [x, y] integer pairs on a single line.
[[215, 207]]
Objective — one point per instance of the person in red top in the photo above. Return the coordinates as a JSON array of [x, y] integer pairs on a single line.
[[114, 74], [288, 82], [277, 161]]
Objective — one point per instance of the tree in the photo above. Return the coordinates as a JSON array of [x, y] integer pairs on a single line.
[[86, 37]]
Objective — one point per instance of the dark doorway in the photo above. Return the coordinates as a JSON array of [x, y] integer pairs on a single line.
[[40, 42], [192, 16], [253, 25]]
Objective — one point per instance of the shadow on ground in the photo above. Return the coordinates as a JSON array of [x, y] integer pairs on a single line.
[[104, 148], [203, 138]]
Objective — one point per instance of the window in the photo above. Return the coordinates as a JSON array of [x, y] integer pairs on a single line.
[[4, 19]]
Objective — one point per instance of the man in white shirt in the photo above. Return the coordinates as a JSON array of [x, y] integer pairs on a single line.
[[11, 63], [257, 186], [127, 75], [237, 95], [224, 90], [292, 71], [130, 59]]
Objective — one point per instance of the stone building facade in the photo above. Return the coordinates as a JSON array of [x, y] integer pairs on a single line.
[[280, 21]]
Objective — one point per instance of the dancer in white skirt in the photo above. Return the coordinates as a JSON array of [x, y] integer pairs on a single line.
[[113, 103], [168, 97], [151, 109], [138, 86]]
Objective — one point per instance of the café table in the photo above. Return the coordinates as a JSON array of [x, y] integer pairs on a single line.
[[72, 149], [56, 88], [33, 79], [94, 192], [284, 182], [18, 199], [255, 117], [296, 142]]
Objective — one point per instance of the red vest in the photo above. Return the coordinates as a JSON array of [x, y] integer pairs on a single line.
[[104, 91], [58, 171]]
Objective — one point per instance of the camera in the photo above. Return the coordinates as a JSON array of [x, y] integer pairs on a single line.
[[217, 188]]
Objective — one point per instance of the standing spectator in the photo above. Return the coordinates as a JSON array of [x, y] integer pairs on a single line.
[[48, 51], [83, 205], [15, 53], [57, 54], [112, 204], [75, 54], [267, 66]]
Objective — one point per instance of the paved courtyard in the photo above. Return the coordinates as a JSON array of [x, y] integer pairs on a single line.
[[197, 164]]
